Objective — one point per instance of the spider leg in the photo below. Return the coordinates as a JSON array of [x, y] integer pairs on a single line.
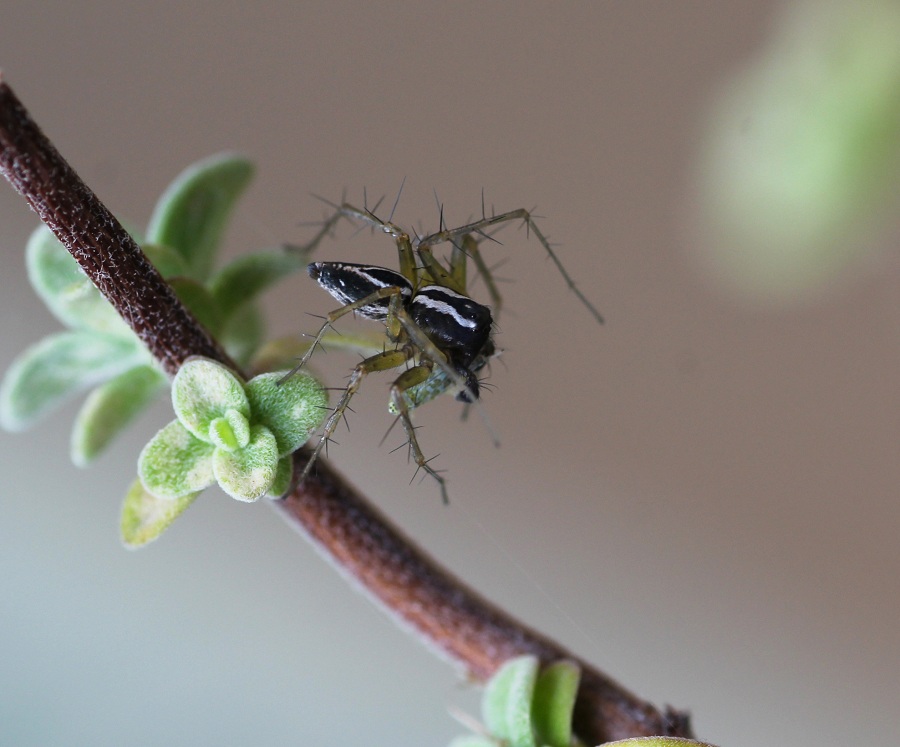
[[391, 291], [480, 226], [379, 362], [408, 379]]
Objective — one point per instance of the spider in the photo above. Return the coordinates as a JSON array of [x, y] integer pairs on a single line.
[[434, 329]]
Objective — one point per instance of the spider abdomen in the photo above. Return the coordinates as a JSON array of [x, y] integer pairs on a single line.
[[349, 283]]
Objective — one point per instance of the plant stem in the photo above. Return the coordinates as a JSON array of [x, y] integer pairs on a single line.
[[456, 621], [105, 250]]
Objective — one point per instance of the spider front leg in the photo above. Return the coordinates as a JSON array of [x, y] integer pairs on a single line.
[[479, 227], [360, 305], [407, 380], [379, 362]]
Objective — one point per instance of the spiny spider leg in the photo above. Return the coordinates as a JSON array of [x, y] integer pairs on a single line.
[[524, 215], [378, 362], [408, 379], [333, 316]]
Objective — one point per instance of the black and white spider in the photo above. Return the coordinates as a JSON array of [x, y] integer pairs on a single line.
[[434, 329]]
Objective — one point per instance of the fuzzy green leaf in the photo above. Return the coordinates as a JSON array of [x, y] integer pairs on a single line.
[[553, 703], [61, 284], [506, 706], [243, 279], [291, 410], [247, 474], [242, 333], [193, 211], [145, 517], [111, 407], [283, 477], [58, 367], [204, 390], [201, 304], [175, 463]]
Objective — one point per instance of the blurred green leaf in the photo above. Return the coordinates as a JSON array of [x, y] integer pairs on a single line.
[[192, 213], [58, 367], [63, 286], [506, 705], [243, 332], [244, 278], [165, 259], [201, 304], [110, 407], [145, 517], [803, 161], [554, 702]]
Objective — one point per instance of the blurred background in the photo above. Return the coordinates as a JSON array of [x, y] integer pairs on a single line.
[[700, 496]]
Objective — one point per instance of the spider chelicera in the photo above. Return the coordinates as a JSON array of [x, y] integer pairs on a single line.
[[434, 329]]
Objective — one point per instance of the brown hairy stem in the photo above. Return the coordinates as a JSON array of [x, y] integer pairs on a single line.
[[456, 621]]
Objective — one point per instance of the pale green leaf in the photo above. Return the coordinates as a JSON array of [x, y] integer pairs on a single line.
[[58, 367], [291, 410], [204, 390], [247, 474], [554, 702], [111, 407], [283, 477], [244, 278], [506, 705], [61, 284], [192, 213], [145, 517], [175, 463]]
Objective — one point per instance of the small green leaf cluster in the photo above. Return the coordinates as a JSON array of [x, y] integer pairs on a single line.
[[227, 432], [527, 706], [99, 351]]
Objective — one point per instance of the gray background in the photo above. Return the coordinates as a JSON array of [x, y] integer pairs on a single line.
[[700, 497]]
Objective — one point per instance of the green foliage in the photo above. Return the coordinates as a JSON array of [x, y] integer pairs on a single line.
[[526, 706], [100, 350], [803, 154], [145, 517], [219, 436], [238, 435]]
